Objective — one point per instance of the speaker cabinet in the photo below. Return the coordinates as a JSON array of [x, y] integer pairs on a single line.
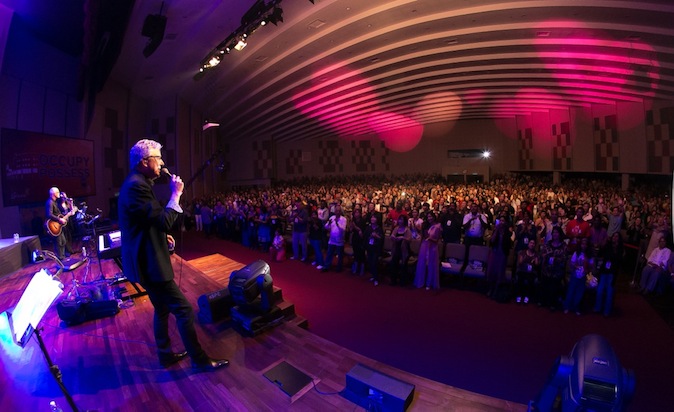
[[154, 28], [376, 391], [215, 306]]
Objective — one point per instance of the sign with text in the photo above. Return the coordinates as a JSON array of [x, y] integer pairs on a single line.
[[34, 162]]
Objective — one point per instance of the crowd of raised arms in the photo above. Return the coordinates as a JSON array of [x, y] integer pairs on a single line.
[[526, 208]]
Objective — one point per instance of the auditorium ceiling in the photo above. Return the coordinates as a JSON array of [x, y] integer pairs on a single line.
[[358, 67]]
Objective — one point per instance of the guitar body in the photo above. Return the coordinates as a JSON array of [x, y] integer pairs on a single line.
[[54, 227]]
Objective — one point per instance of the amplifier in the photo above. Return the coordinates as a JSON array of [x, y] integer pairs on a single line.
[[215, 306]]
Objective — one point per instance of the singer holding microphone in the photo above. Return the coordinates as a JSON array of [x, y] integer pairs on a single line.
[[144, 224]]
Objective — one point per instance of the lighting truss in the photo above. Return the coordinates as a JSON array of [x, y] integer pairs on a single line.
[[258, 15]]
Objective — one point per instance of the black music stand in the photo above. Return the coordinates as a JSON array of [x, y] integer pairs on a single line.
[[24, 319]]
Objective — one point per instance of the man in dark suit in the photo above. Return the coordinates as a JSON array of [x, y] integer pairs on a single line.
[[144, 224]]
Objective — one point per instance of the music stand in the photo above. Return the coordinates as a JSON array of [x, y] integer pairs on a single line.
[[23, 320]]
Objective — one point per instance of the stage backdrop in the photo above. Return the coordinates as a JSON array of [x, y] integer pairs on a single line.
[[33, 162]]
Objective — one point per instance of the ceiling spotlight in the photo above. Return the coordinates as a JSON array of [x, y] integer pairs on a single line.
[[486, 154], [240, 45], [214, 61]]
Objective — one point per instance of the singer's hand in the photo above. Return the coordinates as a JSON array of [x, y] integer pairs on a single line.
[[171, 242], [177, 185]]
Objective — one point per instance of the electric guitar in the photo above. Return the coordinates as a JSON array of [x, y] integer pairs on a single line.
[[54, 227]]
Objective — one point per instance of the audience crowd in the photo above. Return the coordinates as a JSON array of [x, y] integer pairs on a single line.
[[548, 243]]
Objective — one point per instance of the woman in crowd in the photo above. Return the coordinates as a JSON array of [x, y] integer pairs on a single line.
[[500, 244], [528, 266], [400, 250], [277, 250], [553, 269], [609, 265], [428, 265], [582, 264]]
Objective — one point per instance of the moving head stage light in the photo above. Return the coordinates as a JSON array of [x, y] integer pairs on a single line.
[[252, 291], [590, 379]]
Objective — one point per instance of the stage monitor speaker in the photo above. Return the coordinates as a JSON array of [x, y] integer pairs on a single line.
[[215, 306], [376, 391]]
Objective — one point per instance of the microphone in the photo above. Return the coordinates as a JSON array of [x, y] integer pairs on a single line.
[[165, 171]]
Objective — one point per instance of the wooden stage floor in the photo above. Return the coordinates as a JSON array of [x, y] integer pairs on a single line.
[[110, 364]]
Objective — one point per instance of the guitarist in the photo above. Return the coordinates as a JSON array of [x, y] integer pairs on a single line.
[[55, 208]]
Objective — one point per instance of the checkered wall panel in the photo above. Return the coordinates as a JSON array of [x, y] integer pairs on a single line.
[[526, 146], [331, 156], [386, 165], [606, 146], [660, 140], [362, 156], [561, 150], [164, 131], [263, 162], [294, 163]]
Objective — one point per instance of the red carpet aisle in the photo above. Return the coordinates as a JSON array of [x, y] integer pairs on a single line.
[[460, 338]]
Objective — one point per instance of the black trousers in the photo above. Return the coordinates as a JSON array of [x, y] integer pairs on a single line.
[[167, 298]]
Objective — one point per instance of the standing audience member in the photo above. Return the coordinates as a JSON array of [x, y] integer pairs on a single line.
[[598, 235], [500, 244], [374, 238], [451, 225], [554, 221], [553, 269], [264, 230], [146, 246], [300, 219], [357, 226], [428, 265], [577, 229], [610, 263], [474, 226], [415, 224], [582, 263], [197, 216], [316, 237], [526, 276], [336, 227], [277, 250], [656, 266], [524, 232], [615, 220], [400, 244]]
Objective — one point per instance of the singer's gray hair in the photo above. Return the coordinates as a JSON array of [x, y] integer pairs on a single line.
[[141, 150]]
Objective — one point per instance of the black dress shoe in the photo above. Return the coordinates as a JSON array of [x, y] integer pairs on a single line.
[[170, 358], [209, 365]]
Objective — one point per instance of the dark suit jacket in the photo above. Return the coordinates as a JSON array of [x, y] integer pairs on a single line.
[[144, 224]]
